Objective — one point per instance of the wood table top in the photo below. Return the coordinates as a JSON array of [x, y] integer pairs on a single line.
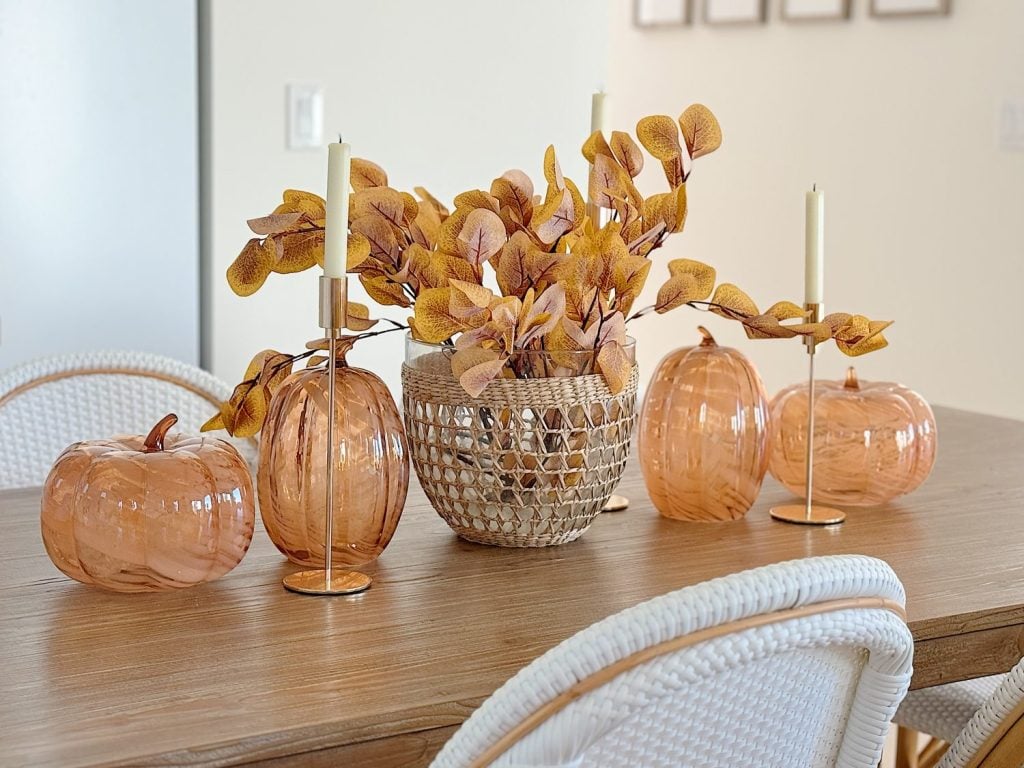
[[240, 670]]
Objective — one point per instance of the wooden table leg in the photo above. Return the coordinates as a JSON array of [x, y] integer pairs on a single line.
[[906, 748]]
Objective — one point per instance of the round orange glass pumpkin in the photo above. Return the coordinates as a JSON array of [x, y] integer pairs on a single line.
[[704, 433], [134, 514], [873, 441], [371, 476]]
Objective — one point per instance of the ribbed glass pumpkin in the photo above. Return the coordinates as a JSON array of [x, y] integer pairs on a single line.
[[873, 441], [704, 433], [146, 514], [371, 476]]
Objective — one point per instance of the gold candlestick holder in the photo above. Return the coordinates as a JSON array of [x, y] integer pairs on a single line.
[[809, 513], [327, 581]]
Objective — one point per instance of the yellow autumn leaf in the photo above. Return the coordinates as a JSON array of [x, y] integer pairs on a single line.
[[701, 131], [476, 379], [786, 310], [358, 251], [470, 357], [605, 182], [513, 266], [872, 340], [380, 235], [704, 274], [677, 290], [615, 365], [660, 136], [298, 251], [364, 174], [482, 236], [313, 206], [766, 327], [384, 202], [410, 209], [434, 320], [477, 198], [594, 146], [214, 422], [554, 218], [358, 317], [818, 331], [251, 267], [437, 205], [382, 289], [552, 170], [451, 228], [250, 413], [274, 223], [730, 302], [626, 153], [513, 197]]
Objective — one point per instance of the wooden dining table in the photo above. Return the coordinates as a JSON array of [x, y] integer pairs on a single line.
[[241, 672]]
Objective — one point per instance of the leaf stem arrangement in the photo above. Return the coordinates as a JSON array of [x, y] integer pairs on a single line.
[[566, 279]]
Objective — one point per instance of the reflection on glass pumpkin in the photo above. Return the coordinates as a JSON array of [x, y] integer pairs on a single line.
[[134, 514], [371, 476], [704, 433], [873, 441]]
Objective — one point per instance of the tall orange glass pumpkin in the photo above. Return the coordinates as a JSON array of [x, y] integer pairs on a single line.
[[371, 476], [704, 433]]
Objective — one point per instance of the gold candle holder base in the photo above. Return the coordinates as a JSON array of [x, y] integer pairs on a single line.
[[801, 514], [615, 503], [316, 582]]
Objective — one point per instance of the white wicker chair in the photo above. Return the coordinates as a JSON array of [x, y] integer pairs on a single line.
[[941, 712], [994, 737], [47, 404], [796, 664]]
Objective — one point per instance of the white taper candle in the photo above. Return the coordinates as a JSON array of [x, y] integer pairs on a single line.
[[599, 113], [336, 235], [814, 250]]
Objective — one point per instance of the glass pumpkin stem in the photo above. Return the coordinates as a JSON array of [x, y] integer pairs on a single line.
[[708, 340], [154, 441], [851, 379]]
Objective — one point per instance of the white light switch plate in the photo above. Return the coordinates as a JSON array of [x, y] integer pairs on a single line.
[[305, 105], [1011, 125]]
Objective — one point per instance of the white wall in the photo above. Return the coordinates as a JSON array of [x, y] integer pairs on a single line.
[[896, 120], [446, 94], [98, 178]]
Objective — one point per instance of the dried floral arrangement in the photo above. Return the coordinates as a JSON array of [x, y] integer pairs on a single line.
[[565, 283]]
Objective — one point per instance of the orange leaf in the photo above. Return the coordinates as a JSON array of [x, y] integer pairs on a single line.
[[482, 236], [298, 251], [434, 320], [594, 146], [251, 267], [476, 379], [358, 317], [380, 201], [701, 131], [627, 153], [660, 136], [677, 290], [477, 198], [313, 206], [365, 174], [274, 223], [615, 365], [552, 170], [555, 218], [703, 273], [733, 303]]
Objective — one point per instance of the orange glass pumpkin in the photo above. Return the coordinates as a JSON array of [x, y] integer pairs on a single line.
[[873, 441], [134, 514], [371, 476], [704, 433]]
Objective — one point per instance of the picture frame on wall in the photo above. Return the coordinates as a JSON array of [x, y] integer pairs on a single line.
[[884, 8], [815, 10], [661, 13], [735, 11]]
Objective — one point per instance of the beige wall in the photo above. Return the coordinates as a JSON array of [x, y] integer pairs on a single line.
[[896, 120], [447, 94]]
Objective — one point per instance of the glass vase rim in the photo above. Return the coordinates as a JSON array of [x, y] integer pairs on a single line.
[[411, 343]]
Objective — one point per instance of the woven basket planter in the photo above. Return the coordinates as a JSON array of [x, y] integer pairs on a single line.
[[528, 463]]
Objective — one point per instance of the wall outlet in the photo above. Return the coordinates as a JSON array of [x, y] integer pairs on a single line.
[[305, 113], [1011, 125]]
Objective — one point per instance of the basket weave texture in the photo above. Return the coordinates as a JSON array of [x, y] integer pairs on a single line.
[[528, 463]]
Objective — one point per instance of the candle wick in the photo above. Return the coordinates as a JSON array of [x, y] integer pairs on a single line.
[[814, 187], [341, 140]]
